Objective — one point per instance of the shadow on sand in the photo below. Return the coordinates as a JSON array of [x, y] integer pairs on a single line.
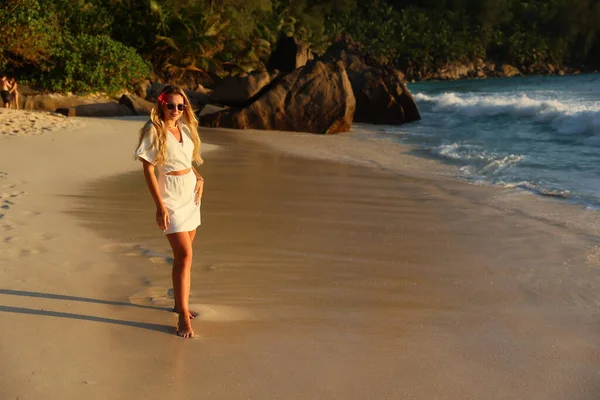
[[30, 311]]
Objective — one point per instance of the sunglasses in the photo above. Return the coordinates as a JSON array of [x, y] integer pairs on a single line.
[[180, 107]]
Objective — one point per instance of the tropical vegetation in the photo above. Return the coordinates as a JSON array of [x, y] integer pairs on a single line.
[[88, 45]]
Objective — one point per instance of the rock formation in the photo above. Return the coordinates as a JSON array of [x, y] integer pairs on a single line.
[[381, 96], [53, 101], [110, 109], [138, 105], [317, 98], [239, 91]]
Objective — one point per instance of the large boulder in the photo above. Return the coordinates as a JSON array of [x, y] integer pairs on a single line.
[[197, 81], [508, 71], [290, 53], [203, 90], [316, 98], [52, 101], [209, 109], [456, 70], [238, 91], [197, 99], [142, 88], [381, 95], [110, 109], [153, 91], [138, 105]]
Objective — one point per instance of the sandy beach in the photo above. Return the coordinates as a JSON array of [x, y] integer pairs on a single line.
[[319, 273]]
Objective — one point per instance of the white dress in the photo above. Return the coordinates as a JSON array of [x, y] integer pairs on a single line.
[[176, 191]]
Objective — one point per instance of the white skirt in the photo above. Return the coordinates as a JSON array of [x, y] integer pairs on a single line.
[[177, 193]]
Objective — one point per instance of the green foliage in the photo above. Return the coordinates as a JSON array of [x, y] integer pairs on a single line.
[[88, 63], [79, 17], [27, 34], [188, 41], [59, 45], [375, 27], [135, 23], [75, 44]]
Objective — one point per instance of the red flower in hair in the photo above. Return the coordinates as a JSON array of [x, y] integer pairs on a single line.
[[163, 98]]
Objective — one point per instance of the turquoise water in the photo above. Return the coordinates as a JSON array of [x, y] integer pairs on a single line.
[[536, 133]]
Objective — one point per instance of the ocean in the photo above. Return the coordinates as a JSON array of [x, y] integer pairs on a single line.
[[538, 134]]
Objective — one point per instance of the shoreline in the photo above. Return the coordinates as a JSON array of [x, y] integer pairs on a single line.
[[492, 75], [397, 158], [315, 279]]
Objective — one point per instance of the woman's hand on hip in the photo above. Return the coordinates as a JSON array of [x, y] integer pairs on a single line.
[[162, 218], [198, 190]]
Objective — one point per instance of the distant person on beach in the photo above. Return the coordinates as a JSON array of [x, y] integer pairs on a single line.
[[5, 91], [14, 93], [169, 143]]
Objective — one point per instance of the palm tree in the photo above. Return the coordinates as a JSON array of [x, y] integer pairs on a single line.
[[188, 43]]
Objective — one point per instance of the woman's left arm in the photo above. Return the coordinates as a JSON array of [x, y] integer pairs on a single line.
[[199, 189]]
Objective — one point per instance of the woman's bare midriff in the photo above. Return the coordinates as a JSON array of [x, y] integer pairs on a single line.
[[182, 172]]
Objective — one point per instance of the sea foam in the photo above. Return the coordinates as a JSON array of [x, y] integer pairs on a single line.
[[567, 118], [487, 162]]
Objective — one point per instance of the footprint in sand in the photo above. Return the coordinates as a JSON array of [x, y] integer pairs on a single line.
[[161, 297], [7, 227], [6, 204], [45, 236], [220, 313], [152, 295], [10, 239], [135, 250], [158, 260], [593, 256], [8, 199], [28, 252], [115, 247], [10, 196]]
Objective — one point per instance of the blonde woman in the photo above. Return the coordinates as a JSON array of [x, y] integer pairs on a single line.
[[169, 143]]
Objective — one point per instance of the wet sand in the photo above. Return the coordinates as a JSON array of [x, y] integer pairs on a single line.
[[314, 280]]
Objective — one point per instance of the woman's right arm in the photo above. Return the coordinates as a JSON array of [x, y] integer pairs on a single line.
[[162, 216]]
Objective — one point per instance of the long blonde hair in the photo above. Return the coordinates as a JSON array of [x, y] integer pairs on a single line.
[[157, 121]]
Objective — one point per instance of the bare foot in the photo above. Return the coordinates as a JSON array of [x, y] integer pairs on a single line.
[[184, 327], [192, 314]]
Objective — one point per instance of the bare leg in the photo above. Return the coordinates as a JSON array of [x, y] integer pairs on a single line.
[[193, 314], [182, 267]]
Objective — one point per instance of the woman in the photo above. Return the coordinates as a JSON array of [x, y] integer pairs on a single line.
[[169, 143], [14, 93]]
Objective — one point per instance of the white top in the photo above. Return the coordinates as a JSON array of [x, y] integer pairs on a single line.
[[179, 154]]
